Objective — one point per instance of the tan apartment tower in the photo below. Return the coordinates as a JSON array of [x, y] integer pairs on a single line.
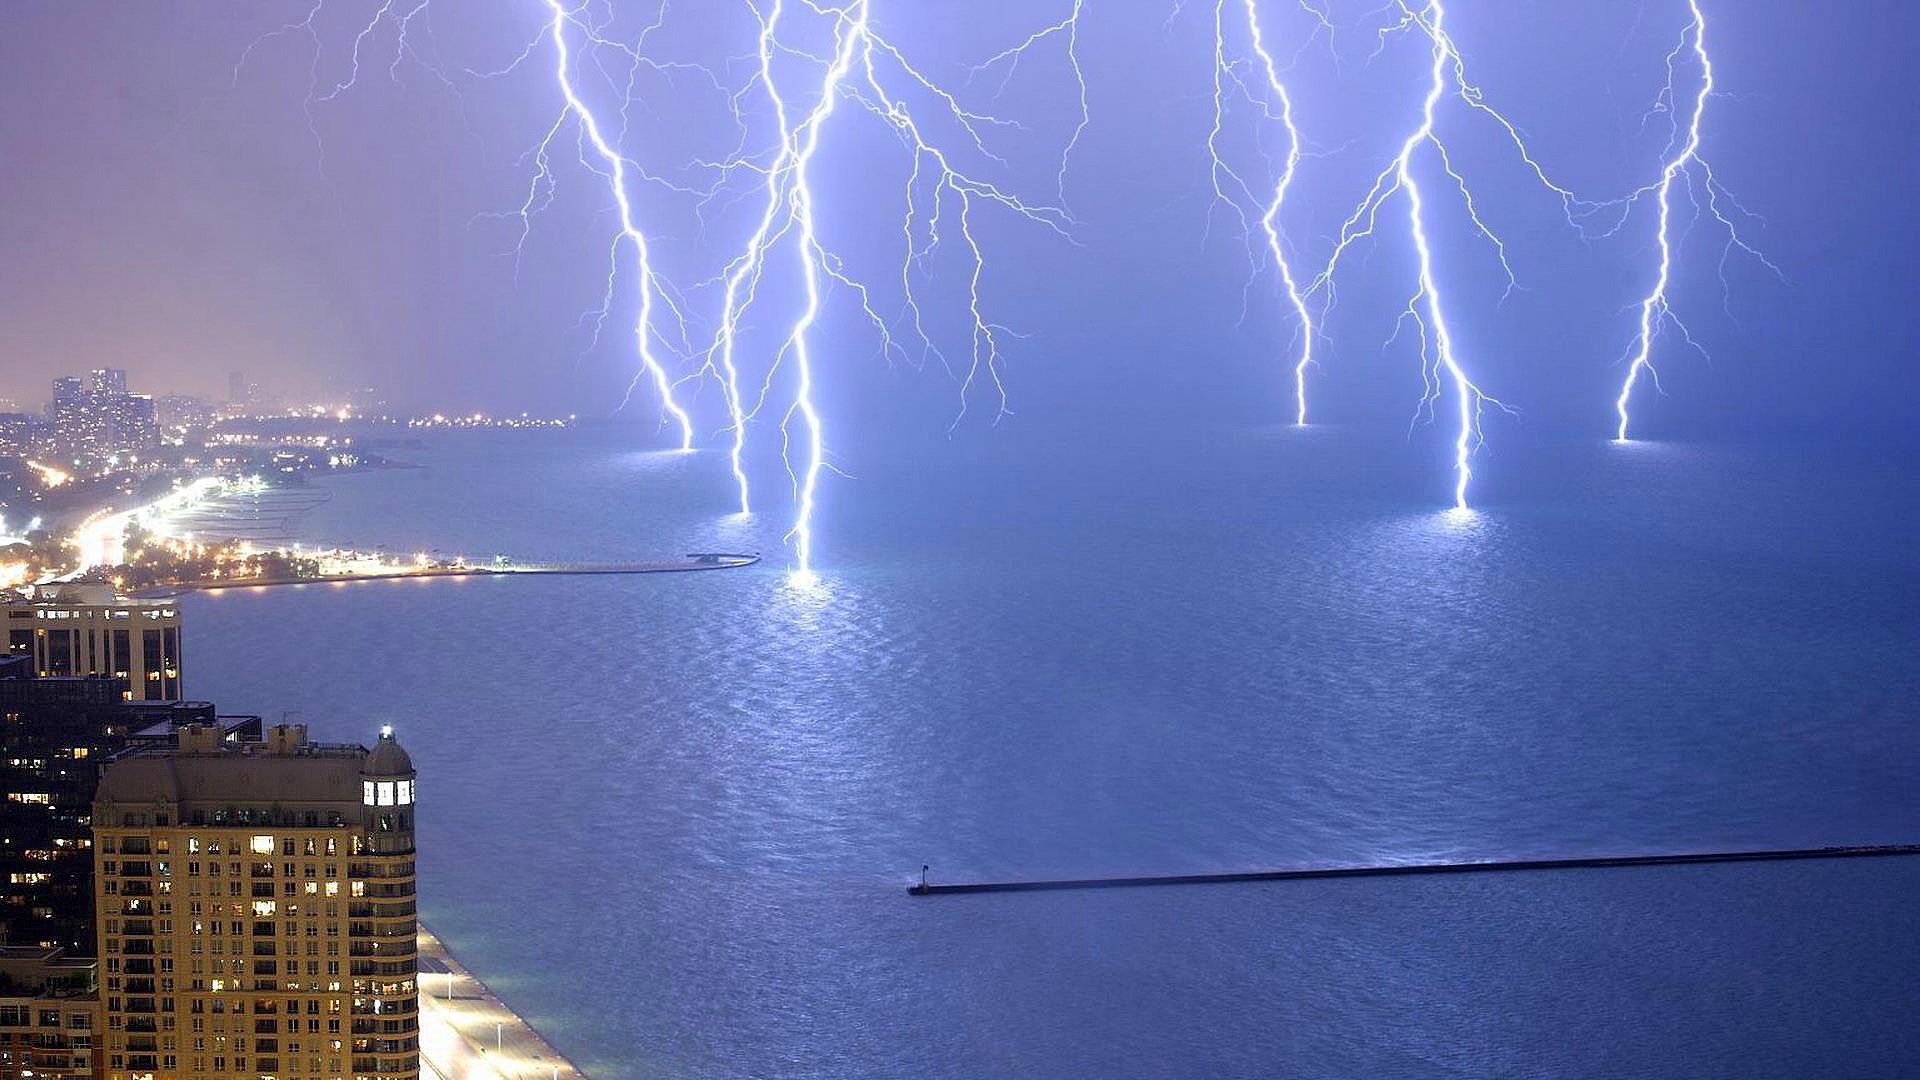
[[256, 909], [87, 630]]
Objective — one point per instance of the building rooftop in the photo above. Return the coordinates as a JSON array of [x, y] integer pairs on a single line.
[[388, 757], [212, 766], [77, 594]]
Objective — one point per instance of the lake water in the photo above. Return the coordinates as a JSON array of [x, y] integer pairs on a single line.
[[670, 818]]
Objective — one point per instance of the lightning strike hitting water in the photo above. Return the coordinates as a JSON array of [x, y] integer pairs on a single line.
[[1233, 190], [1655, 310], [1441, 366], [861, 67], [1269, 221], [950, 146], [616, 173]]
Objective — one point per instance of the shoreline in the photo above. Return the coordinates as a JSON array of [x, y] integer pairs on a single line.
[[466, 1030], [691, 564]]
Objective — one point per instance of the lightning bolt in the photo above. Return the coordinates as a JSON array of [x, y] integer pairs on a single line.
[[1234, 191], [1442, 368], [1655, 310], [1269, 221], [863, 69], [615, 164]]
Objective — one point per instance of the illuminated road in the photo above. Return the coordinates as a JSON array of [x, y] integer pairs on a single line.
[[468, 1034]]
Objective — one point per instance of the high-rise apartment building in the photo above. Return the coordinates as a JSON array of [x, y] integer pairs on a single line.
[[87, 630], [49, 1016], [69, 393], [98, 418], [257, 909], [54, 735]]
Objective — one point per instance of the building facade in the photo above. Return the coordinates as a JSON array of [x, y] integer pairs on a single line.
[[87, 630], [98, 418], [49, 1016], [54, 735], [256, 904]]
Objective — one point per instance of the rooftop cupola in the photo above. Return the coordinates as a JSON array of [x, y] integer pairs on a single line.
[[386, 779]]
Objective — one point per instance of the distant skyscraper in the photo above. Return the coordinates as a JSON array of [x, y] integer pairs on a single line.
[[69, 394], [281, 873], [107, 382], [132, 420], [19, 432], [238, 389]]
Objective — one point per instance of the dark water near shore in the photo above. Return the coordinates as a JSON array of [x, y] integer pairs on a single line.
[[669, 818]]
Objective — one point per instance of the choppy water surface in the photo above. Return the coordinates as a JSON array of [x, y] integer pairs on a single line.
[[669, 818]]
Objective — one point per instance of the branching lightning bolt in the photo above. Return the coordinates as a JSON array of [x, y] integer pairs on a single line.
[[860, 68], [615, 164], [1441, 366], [1655, 310], [1269, 220]]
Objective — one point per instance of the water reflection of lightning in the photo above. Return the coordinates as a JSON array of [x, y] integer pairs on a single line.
[[1655, 311]]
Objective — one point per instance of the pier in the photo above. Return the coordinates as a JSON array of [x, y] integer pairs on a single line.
[[926, 888]]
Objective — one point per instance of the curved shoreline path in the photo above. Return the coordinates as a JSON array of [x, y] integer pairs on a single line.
[[692, 563], [466, 1033]]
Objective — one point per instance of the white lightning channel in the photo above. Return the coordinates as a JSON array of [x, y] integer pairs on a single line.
[[1269, 221], [1442, 368], [616, 166], [860, 69], [1655, 309], [850, 34]]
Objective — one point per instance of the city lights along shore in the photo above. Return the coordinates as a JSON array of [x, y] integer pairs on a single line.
[[690, 563]]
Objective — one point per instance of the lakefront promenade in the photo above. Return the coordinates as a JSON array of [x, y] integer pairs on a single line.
[[466, 1033]]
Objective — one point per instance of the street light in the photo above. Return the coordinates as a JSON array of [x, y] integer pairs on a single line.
[[499, 1037]]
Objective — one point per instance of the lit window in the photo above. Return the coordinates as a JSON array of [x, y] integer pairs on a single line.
[[263, 908], [405, 797], [366, 792], [263, 845], [386, 793]]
